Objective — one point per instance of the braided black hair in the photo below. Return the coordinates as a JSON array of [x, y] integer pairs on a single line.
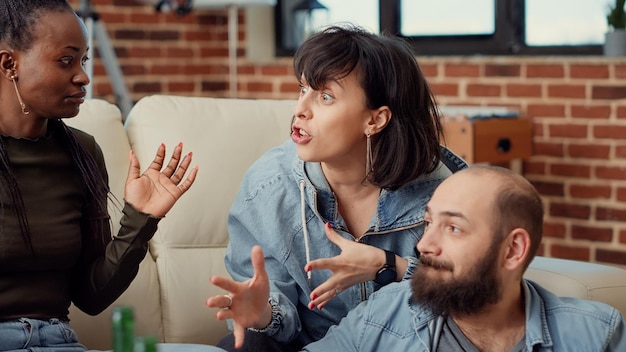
[[18, 19]]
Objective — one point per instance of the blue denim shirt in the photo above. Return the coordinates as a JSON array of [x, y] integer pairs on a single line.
[[283, 204], [389, 320]]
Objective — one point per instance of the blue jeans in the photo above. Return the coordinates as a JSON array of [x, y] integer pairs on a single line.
[[31, 335]]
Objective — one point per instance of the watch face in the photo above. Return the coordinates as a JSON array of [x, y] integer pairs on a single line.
[[385, 276]]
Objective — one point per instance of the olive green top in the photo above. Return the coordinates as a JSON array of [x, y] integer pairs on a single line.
[[70, 262]]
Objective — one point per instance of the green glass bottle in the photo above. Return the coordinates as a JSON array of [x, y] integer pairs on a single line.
[[145, 344], [123, 329]]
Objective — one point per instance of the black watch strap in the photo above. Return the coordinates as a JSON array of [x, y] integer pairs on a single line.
[[390, 259], [387, 274]]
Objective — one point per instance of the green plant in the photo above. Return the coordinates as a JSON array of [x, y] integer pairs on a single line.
[[617, 16]]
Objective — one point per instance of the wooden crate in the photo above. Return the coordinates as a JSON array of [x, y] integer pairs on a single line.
[[491, 140]]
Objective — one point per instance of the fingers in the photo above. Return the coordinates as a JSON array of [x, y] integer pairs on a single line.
[[220, 301], [238, 333], [326, 263], [319, 264], [247, 302], [157, 163], [225, 283], [333, 236], [181, 170], [174, 170], [319, 301], [328, 290], [185, 185], [258, 262], [171, 168], [327, 297], [133, 168]]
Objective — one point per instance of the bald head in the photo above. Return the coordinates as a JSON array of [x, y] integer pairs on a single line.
[[506, 198]]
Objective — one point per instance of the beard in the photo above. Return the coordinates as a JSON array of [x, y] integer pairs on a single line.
[[463, 296]]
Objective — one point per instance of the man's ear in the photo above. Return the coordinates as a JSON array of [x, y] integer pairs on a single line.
[[517, 249], [379, 119], [7, 63]]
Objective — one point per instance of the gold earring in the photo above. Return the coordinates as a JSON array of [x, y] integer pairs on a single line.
[[368, 156], [19, 97]]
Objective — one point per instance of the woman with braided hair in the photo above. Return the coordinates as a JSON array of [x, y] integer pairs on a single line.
[[55, 239]]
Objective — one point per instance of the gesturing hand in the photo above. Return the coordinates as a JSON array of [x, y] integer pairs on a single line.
[[354, 265], [154, 192], [248, 304]]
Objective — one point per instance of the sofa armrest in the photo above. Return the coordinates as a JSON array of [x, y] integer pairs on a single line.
[[572, 278]]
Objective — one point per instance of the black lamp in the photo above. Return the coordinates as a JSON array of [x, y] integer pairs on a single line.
[[303, 18], [309, 5]]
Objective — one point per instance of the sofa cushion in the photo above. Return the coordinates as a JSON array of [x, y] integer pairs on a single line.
[[572, 278], [226, 136]]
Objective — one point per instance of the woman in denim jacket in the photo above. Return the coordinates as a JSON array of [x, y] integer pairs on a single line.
[[338, 209]]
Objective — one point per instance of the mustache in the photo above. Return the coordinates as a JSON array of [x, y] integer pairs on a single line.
[[439, 265]]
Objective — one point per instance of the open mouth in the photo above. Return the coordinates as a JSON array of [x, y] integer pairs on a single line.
[[299, 135], [300, 132]]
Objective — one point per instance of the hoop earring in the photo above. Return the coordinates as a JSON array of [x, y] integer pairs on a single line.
[[368, 156], [19, 97]]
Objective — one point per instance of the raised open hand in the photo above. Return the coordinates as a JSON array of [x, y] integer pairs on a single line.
[[156, 190], [247, 303], [354, 265]]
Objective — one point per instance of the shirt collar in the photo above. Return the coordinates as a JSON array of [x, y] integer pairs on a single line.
[[537, 331]]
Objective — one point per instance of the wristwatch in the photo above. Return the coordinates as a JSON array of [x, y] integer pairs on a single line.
[[387, 274]]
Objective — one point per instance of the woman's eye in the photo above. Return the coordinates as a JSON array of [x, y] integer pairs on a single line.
[[66, 61], [83, 62], [303, 89], [454, 229], [327, 97]]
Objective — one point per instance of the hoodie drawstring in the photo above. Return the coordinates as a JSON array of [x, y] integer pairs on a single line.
[[304, 228]]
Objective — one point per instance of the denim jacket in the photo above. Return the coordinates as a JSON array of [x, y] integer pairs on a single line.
[[283, 204], [389, 320]]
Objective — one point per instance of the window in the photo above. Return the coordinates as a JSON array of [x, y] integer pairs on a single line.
[[468, 27], [449, 17], [584, 24]]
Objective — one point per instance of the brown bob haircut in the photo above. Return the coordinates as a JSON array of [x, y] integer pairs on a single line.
[[409, 146]]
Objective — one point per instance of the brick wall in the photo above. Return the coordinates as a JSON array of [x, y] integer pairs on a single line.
[[188, 55], [577, 105], [578, 109]]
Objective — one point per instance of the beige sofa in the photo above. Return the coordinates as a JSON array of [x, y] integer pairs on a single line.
[[226, 136]]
